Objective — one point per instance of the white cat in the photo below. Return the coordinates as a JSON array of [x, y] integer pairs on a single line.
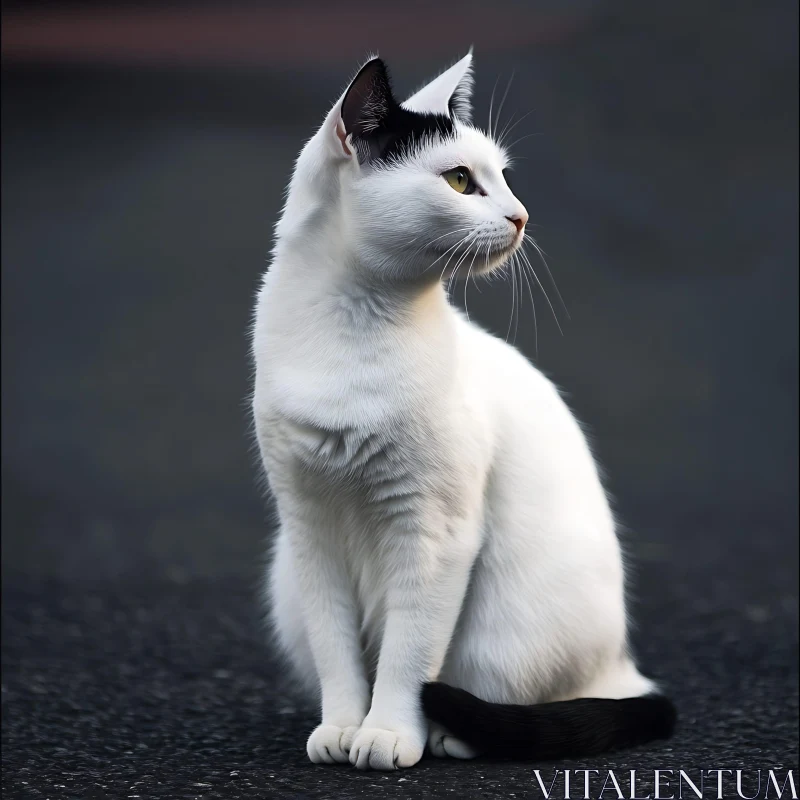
[[441, 516]]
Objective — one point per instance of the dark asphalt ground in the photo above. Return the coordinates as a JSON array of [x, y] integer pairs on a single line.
[[137, 204], [168, 690]]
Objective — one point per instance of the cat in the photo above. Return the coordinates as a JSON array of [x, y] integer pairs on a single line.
[[446, 569]]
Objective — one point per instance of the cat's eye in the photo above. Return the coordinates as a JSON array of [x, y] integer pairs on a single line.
[[460, 179]]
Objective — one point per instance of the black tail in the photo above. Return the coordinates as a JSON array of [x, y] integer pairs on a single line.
[[548, 731]]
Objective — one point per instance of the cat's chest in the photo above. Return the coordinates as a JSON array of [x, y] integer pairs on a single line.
[[374, 415], [395, 471], [386, 460]]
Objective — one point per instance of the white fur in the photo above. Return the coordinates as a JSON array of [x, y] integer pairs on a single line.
[[441, 516], [435, 96]]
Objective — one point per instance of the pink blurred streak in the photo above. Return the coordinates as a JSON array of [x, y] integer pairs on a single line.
[[266, 37]]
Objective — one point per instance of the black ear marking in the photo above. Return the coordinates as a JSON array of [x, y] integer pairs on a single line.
[[381, 128], [368, 101]]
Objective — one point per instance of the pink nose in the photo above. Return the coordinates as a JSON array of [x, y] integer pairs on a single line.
[[518, 221]]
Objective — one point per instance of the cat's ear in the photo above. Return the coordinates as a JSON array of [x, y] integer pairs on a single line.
[[364, 107], [450, 93], [368, 100]]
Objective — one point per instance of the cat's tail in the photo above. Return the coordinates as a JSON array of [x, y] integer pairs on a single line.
[[571, 728]]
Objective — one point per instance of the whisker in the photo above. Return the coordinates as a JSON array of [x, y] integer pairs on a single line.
[[449, 233], [521, 139], [466, 283], [463, 241], [459, 242], [533, 308], [491, 103], [507, 130], [544, 292], [519, 302], [438, 238], [444, 269], [454, 273], [499, 139], [513, 298], [453, 248], [485, 262], [502, 102], [549, 274]]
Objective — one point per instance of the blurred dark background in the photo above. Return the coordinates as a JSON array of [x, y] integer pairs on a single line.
[[145, 151]]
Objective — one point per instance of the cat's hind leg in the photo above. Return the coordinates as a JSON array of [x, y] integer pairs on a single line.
[[617, 680], [442, 744]]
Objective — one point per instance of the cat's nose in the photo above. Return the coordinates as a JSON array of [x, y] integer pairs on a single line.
[[518, 220]]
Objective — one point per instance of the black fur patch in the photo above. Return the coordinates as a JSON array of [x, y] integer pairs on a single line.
[[568, 729], [381, 128]]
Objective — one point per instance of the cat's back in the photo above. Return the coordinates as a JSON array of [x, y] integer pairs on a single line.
[[539, 447]]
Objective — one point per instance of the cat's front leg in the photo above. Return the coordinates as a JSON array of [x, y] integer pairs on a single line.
[[331, 622], [427, 571]]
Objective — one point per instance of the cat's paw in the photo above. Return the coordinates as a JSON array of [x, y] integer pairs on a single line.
[[330, 744], [377, 748], [442, 744]]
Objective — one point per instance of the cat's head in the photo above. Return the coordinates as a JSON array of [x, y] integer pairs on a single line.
[[422, 193]]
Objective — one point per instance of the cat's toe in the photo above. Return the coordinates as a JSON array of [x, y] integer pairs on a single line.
[[376, 748], [443, 745], [330, 744]]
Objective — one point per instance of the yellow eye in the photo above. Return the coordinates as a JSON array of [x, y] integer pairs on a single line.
[[460, 179]]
